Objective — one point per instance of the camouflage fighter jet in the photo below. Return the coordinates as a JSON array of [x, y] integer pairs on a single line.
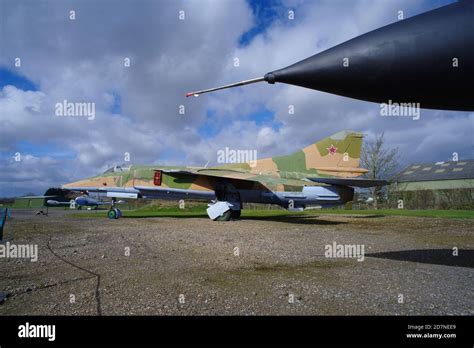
[[321, 174]]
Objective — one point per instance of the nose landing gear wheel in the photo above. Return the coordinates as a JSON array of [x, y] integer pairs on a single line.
[[114, 213]]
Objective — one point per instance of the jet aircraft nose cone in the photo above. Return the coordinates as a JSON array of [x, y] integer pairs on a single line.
[[80, 200]]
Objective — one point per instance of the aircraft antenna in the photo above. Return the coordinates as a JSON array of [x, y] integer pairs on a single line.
[[241, 83]]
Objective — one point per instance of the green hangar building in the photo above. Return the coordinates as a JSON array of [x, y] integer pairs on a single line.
[[441, 185]]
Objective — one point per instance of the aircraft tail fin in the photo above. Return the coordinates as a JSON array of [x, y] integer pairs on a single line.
[[337, 155]]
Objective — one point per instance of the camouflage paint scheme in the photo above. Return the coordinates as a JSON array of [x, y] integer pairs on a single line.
[[336, 156]]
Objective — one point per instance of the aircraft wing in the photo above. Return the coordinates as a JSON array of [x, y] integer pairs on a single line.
[[264, 178], [218, 173], [221, 173], [350, 182], [178, 193]]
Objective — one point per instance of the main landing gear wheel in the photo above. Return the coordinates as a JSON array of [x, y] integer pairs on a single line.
[[222, 211], [235, 214], [225, 217], [114, 213]]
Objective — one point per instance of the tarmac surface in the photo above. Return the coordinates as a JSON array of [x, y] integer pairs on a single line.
[[253, 266]]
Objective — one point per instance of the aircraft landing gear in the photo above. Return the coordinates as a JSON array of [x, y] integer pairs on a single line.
[[235, 214], [227, 206], [223, 211], [225, 216], [114, 213]]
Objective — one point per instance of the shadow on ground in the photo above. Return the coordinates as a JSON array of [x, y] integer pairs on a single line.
[[294, 219], [367, 216], [165, 215], [445, 257]]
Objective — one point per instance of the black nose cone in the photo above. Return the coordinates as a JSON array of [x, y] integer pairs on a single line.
[[426, 59]]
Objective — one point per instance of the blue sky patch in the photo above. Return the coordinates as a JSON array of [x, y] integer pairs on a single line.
[[44, 149], [210, 127], [264, 117], [264, 13], [8, 77], [117, 105]]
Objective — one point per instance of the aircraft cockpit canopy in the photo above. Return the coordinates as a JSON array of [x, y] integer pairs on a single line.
[[117, 169]]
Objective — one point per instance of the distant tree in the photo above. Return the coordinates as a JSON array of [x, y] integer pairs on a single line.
[[382, 163]]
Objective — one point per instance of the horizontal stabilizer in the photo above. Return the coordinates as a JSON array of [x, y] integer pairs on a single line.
[[351, 182]]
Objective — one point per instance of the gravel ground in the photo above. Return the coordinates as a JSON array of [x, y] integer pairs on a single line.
[[189, 266]]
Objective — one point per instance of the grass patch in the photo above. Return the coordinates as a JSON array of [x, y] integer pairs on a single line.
[[200, 211], [20, 203], [195, 211]]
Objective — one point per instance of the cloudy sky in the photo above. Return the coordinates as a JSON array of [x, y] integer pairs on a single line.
[[175, 47]]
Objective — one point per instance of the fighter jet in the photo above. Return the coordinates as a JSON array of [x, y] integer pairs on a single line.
[[427, 59], [73, 199], [321, 174]]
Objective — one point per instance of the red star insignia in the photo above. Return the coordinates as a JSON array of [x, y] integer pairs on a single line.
[[332, 149]]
